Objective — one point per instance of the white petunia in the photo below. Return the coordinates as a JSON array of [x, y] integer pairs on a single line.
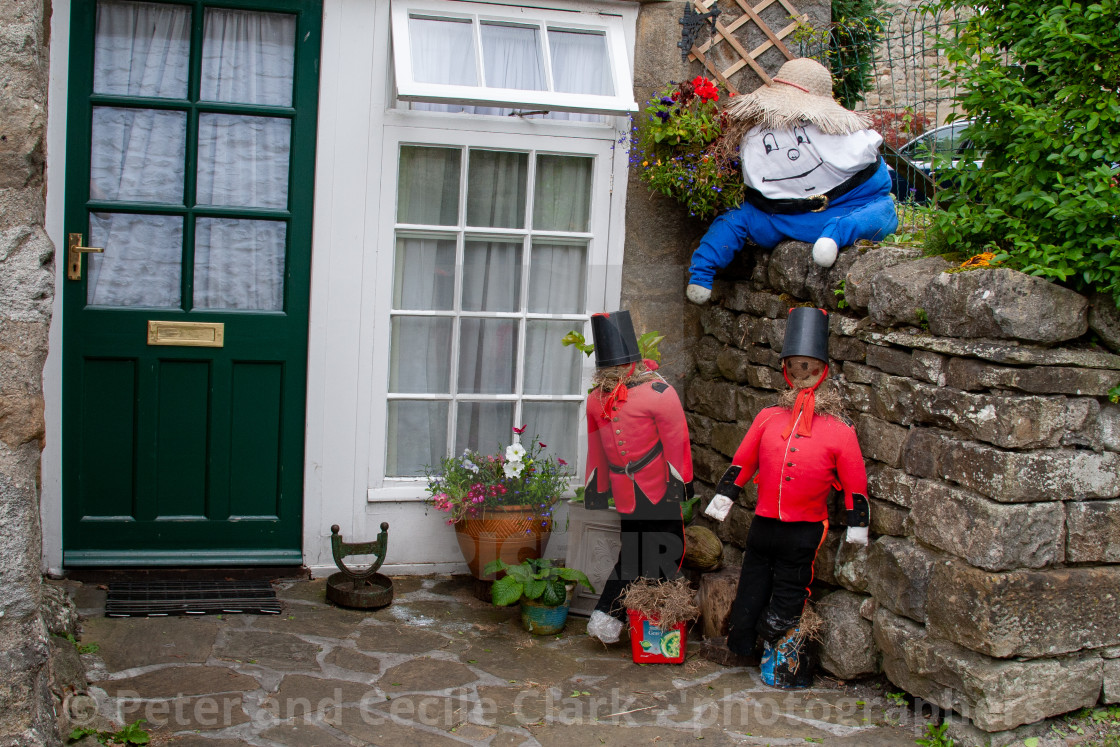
[[513, 468], [514, 452]]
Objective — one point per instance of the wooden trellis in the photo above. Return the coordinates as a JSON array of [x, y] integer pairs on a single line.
[[727, 34]]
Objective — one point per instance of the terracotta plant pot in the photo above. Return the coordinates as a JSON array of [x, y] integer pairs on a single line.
[[509, 533]]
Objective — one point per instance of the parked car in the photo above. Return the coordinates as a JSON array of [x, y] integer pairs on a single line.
[[915, 158]]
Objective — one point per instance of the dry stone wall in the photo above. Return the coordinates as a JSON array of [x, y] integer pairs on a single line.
[[26, 289], [992, 582]]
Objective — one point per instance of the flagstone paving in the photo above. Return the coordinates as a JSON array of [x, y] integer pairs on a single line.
[[439, 667]]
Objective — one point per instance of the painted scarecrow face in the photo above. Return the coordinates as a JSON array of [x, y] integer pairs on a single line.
[[802, 370], [789, 156]]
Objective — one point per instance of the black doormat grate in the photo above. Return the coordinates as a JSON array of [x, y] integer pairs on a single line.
[[161, 598]]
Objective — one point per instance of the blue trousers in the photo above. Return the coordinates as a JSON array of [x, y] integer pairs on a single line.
[[867, 212]]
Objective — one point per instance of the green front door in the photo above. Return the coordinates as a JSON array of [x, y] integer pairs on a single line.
[[190, 160]]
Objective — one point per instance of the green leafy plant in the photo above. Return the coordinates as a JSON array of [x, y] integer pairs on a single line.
[[855, 34], [935, 737], [678, 152], [131, 734], [83, 648], [839, 293], [649, 344], [1039, 82], [465, 485], [898, 699], [536, 579]]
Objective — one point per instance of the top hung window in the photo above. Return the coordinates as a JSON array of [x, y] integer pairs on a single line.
[[513, 57]]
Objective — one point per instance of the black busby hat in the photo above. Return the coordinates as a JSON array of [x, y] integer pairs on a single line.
[[806, 333], [615, 342]]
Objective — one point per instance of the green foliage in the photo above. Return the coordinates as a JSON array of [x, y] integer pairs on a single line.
[[649, 344], [130, 734], [839, 293], [1040, 81], [935, 737], [897, 699], [83, 648], [679, 153], [855, 34], [535, 579]]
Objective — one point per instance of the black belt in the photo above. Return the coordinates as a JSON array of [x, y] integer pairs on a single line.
[[813, 204], [637, 465]]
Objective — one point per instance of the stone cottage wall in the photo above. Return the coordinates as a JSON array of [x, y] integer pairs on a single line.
[[991, 585], [26, 288]]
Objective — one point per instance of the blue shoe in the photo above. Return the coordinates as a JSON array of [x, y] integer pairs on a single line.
[[767, 664]]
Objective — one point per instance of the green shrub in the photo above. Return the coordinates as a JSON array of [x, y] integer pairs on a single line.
[[1041, 80]]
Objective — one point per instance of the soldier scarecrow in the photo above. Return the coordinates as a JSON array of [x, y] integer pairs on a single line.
[[637, 453], [812, 172], [801, 448]]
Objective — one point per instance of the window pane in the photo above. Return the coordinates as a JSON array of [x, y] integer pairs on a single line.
[[496, 185], [487, 356], [137, 155], [419, 359], [580, 63], [557, 426], [562, 198], [417, 437], [248, 58], [511, 57], [443, 51], [243, 161], [142, 262], [142, 49], [558, 277], [239, 264], [428, 186], [424, 274], [492, 276], [483, 426], [561, 373]]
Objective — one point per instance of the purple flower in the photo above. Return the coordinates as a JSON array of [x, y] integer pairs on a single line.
[[667, 101], [663, 115]]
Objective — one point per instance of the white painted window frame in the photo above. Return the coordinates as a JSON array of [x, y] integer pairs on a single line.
[[610, 25], [604, 262]]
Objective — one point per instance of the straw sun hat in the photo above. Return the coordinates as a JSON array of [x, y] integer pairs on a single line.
[[802, 90]]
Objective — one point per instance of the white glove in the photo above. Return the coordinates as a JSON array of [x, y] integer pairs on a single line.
[[604, 627], [856, 535], [698, 294], [825, 251], [719, 507]]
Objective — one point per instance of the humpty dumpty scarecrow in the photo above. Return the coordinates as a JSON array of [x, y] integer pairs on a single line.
[[800, 449], [637, 453], [812, 172]]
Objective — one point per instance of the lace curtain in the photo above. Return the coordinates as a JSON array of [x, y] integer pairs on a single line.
[[139, 155]]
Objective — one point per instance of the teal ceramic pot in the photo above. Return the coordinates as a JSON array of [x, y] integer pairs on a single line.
[[540, 619]]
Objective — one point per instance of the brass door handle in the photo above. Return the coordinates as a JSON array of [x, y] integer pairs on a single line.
[[74, 251]]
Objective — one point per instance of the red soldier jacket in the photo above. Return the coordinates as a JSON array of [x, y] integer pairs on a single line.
[[795, 474], [651, 416]]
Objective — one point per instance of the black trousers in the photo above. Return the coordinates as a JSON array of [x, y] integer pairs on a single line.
[[652, 547], [774, 583]]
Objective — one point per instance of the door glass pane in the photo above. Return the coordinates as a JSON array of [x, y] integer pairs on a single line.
[[428, 186], [443, 51], [580, 63], [511, 57], [239, 264], [483, 426], [137, 155], [562, 372], [556, 425], [419, 357], [558, 277], [562, 198], [417, 437], [141, 263], [487, 356], [243, 161], [491, 275], [248, 57], [141, 49], [424, 274], [496, 184]]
